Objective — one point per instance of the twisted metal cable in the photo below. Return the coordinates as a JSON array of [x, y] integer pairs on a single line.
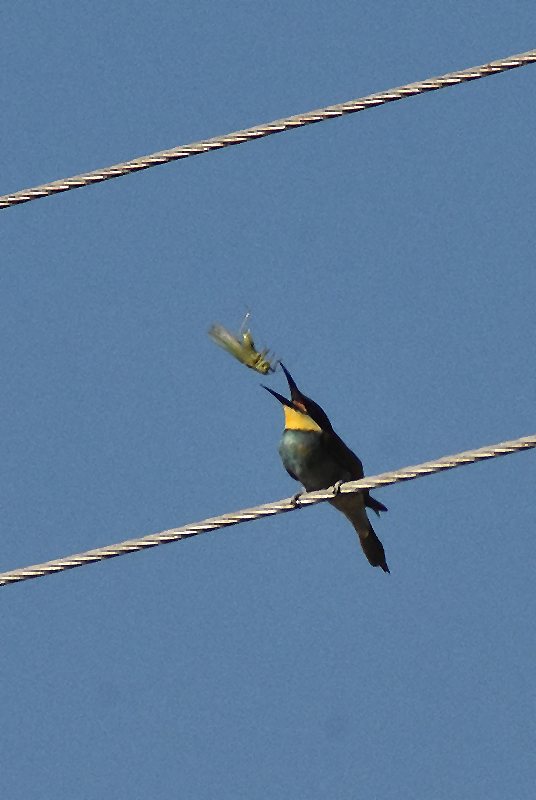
[[259, 131], [267, 510]]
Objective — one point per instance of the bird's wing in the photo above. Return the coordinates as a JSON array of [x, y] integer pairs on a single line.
[[346, 458], [373, 504], [352, 464]]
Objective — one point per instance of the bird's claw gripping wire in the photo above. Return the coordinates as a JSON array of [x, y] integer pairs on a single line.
[[295, 499], [337, 488]]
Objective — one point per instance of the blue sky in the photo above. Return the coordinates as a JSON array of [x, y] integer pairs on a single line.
[[388, 259]]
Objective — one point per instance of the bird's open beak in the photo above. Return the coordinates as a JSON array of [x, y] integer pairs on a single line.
[[294, 391], [297, 398], [279, 397], [295, 394]]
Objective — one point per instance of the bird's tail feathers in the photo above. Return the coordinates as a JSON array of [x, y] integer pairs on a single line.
[[353, 508]]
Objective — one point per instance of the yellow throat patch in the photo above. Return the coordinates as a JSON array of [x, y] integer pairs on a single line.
[[297, 421]]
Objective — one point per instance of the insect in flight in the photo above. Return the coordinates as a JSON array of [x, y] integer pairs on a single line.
[[242, 347]]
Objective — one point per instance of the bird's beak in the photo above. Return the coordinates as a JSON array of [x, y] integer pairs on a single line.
[[297, 398], [295, 394], [280, 397]]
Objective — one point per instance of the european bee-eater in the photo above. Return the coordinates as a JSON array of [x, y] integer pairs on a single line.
[[314, 455]]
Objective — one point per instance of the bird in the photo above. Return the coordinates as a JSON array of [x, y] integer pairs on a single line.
[[313, 454]]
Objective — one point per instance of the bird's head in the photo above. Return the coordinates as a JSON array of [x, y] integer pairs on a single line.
[[301, 413]]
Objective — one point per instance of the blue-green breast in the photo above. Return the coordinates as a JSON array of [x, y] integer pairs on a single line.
[[307, 455]]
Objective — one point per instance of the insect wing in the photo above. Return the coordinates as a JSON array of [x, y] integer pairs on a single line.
[[244, 351], [225, 339]]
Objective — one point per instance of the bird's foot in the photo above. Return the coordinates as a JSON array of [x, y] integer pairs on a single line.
[[295, 498], [337, 488]]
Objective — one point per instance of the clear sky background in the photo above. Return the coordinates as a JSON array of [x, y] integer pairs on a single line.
[[388, 259]]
